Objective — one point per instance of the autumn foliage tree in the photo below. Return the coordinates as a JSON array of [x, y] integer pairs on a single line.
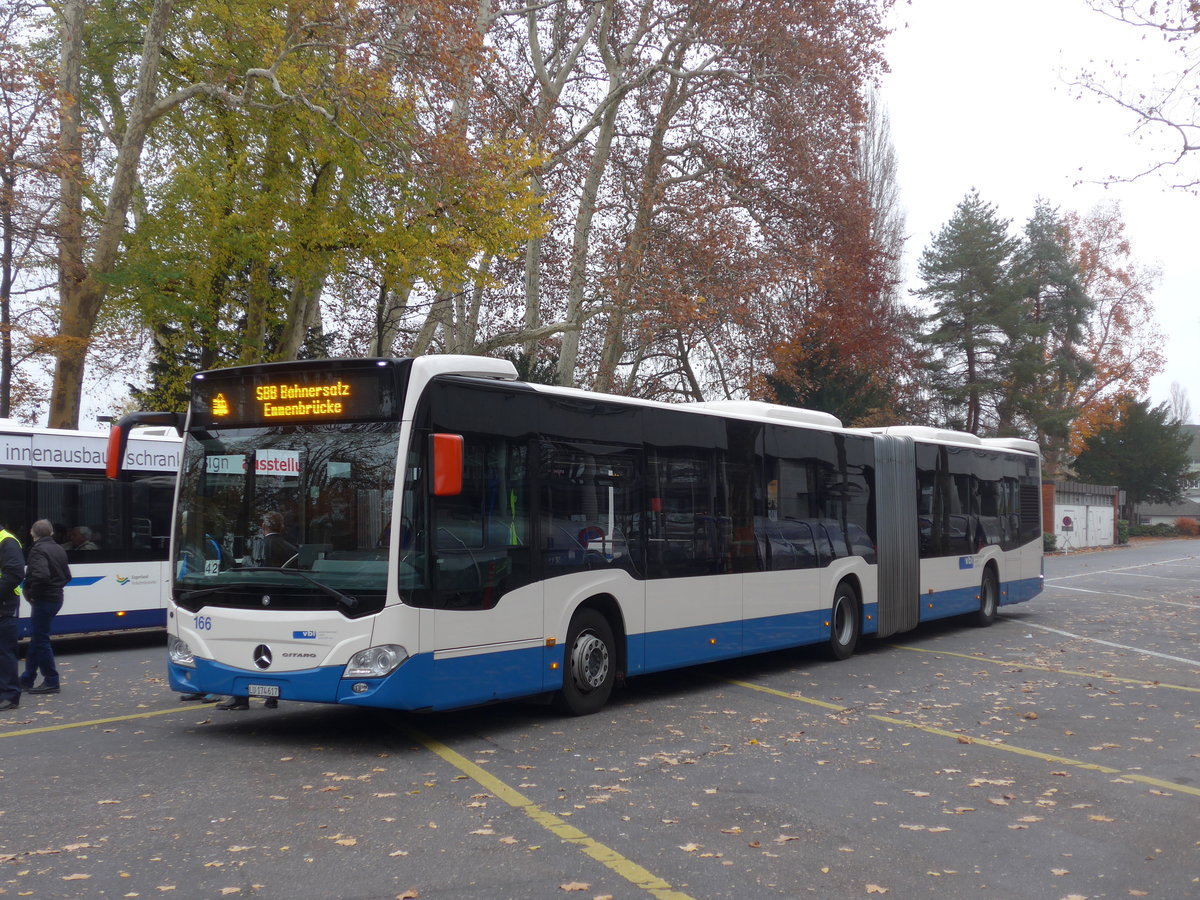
[[662, 197], [1121, 342], [709, 215]]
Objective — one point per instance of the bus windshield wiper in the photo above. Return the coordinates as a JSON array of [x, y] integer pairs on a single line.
[[188, 596], [349, 601]]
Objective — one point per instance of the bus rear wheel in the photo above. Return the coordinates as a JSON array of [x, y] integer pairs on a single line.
[[589, 669], [989, 599], [843, 623]]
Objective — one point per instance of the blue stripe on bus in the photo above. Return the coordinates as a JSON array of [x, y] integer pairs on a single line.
[[1021, 591], [958, 601], [954, 602], [110, 620], [84, 580], [420, 683]]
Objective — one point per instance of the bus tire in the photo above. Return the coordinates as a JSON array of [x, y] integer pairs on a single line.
[[844, 622], [589, 665], [989, 599]]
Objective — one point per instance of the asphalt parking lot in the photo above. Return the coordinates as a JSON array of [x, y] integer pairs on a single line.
[[1053, 755]]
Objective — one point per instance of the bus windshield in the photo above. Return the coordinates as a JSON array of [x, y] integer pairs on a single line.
[[305, 508]]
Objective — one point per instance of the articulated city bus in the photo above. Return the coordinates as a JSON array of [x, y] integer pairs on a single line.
[[117, 532], [433, 533]]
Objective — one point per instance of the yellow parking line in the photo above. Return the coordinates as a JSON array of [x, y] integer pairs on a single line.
[[65, 726], [1010, 662], [626, 868], [982, 742]]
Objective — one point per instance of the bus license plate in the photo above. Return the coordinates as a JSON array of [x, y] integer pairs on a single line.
[[262, 690]]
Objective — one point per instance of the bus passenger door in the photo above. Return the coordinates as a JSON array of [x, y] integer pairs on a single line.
[[588, 536], [487, 628], [693, 587]]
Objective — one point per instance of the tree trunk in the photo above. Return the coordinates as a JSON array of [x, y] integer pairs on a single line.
[[304, 313], [254, 337], [68, 373], [81, 283], [636, 243], [438, 316], [389, 312], [579, 249]]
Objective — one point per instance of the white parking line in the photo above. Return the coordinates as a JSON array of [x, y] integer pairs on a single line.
[[1188, 577], [1063, 587], [1161, 562], [1082, 637]]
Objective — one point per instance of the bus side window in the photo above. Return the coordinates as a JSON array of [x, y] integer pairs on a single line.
[[588, 500], [482, 532]]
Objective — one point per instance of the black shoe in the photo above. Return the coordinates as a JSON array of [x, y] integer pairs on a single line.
[[271, 703], [8, 704], [184, 698], [235, 703], [43, 688]]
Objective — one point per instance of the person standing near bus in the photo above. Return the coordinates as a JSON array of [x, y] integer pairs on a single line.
[[46, 574], [12, 571]]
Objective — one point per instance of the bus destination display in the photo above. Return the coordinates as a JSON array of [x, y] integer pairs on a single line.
[[289, 400], [294, 397]]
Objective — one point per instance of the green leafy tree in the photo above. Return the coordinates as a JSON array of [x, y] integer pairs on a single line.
[[1145, 453], [288, 199], [966, 271], [290, 122]]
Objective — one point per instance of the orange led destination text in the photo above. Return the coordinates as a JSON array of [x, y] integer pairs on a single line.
[[302, 400]]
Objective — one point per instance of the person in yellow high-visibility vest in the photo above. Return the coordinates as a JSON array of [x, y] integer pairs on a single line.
[[12, 573]]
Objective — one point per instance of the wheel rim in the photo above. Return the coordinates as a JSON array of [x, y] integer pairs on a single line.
[[843, 623], [589, 662]]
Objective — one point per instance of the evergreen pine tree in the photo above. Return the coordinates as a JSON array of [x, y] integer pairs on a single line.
[[966, 275], [1043, 359]]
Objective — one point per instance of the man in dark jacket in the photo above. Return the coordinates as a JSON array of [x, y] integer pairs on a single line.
[[12, 570], [46, 574]]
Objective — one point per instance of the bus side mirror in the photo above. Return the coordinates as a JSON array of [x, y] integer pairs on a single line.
[[446, 451], [118, 435]]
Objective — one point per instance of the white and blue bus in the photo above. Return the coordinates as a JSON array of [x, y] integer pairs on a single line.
[[121, 527], [454, 536]]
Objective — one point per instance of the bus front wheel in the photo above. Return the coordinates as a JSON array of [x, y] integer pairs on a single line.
[[843, 622], [989, 599], [589, 669]]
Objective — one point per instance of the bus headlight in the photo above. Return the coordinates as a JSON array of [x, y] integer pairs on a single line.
[[375, 662], [180, 653]]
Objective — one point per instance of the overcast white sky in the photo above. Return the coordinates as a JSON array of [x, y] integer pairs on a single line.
[[978, 99]]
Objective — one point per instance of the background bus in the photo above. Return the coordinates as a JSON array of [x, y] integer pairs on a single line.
[[119, 574], [459, 537]]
